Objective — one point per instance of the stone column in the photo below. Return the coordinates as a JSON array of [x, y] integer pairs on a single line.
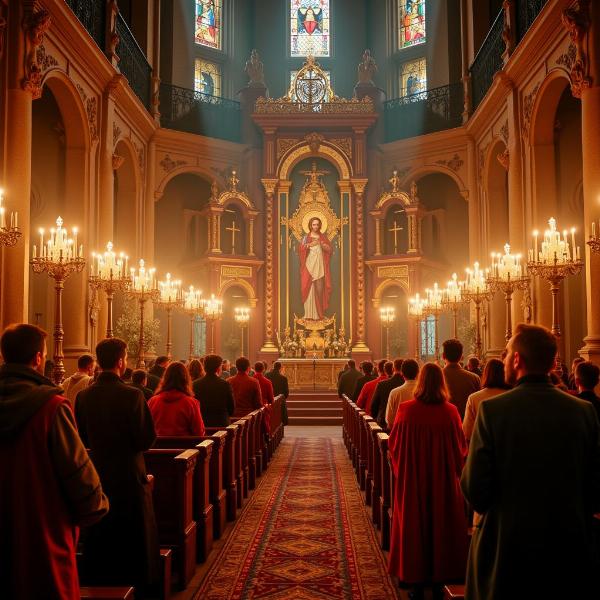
[[269, 347], [583, 23], [377, 236]]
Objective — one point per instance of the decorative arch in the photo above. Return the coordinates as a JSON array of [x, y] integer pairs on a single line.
[[387, 283], [200, 171], [392, 198], [304, 150], [418, 172], [546, 96], [240, 199], [245, 285]]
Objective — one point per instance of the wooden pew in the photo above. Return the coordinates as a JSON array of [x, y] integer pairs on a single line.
[[375, 469], [454, 592], [363, 454], [241, 464], [229, 467], [106, 593], [385, 492], [251, 420], [371, 428], [172, 495]]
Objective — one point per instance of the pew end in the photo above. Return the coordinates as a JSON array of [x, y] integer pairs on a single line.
[[106, 593], [454, 592]]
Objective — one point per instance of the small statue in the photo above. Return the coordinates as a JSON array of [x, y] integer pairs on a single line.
[[255, 70], [413, 192], [367, 69], [233, 181], [395, 181]]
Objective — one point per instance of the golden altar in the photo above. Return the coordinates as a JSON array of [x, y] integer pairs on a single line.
[[308, 375]]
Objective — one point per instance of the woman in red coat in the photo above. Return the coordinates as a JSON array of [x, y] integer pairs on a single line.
[[429, 528], [174, 409]]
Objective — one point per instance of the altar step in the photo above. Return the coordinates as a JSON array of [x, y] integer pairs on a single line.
[[314, 408]]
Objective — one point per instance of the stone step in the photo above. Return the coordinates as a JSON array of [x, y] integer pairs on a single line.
[[335, 404], [314, 412], [314, 421]]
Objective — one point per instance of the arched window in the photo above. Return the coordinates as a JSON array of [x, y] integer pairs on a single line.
[[413, 79], [209, 29], [427, 337], [207, 78], [412, 28], [309, 28]]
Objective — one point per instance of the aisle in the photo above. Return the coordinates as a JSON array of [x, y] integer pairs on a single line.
[[304, 535]]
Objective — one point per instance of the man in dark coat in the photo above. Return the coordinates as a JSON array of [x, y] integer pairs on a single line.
[[280, 387], [48, 485], [116, 424], [533, 473], [587, 377], [214, 394], [382, 392], [368, 375], [460, 382], [347, 380], [156, 372]]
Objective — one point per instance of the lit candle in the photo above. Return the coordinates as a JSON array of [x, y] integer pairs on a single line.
[[573, 239], [594, 229], [535, 237]]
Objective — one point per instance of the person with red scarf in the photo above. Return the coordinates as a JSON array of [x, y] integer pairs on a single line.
[[315, 276], [366, 394]]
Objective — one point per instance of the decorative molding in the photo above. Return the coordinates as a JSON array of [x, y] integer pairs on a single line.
[[35, 26], [504, 132], [567, 59], [504, 159], [314, 141], [45, 61], [91, 109], [528, 103], [236, 272], [117, 161], [455, 163], [168, 164], [392, 272], [140, 151], [116, 133], [576, 20], [284, 144], [344, 144]]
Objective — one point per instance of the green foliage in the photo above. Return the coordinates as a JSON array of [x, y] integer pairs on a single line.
[[128, 329]]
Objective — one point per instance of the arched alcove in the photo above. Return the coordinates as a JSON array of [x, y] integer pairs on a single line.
[[231, 336], [233, 230], [394, 296], [395, 234], [126, 212]]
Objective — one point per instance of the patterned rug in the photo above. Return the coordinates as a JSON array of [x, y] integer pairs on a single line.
[[304, 535]]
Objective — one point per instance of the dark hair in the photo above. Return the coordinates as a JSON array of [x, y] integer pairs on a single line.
[[277, 366], [351, 363], [431, 387], [259, 367], [109, 351], [21, 342], [127, 374], [493, 375], [537, 347], [588, 374], [453, 350], [398, 364], [161, 360], [138, 377], [381, 365], [176, 377], [242, 364], [85, 361], [388, 368], [473, 361], [195, 368], [367, 367], [410, 368], [310, 222], [212, 362]]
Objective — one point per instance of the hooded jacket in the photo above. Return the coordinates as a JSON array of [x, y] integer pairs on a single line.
[[176, 413]]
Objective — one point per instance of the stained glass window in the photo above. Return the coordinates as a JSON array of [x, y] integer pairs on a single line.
[[412, 28], [309, 75], [428, 337], [309, 28], [413, 78], [208, 28], [207, 78]]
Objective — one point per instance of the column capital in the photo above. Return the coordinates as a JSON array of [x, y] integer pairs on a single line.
[[270, 185], [359, 185], [35, 25]]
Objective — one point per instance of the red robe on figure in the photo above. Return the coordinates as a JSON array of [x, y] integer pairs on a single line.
[[366, 394], [429, 529], [305, 278]]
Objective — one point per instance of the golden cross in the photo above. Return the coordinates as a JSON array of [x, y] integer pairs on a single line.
[[233, 230], [314, 173], [395, 229]]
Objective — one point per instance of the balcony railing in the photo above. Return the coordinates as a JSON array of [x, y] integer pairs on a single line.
[[133, 63], [92, 15], [194, 112], [425, 112], [488, 61], [527, 11]]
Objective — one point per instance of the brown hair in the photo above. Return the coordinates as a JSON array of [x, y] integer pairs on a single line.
[[176, 377], [452, 350], [431, 387], [588, 374], [493, 375], [196, 370], [388, 368], [536, 346], [21, 342], [109, 351], [212, 362]]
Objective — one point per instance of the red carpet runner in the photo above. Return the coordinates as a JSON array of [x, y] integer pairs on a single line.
[[304, 535]]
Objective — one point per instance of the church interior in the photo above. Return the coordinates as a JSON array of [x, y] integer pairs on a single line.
[[313, 185]]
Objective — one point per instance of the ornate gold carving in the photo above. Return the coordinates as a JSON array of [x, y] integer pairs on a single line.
[[91, 109], [35, 26], [314, 141], [504, 159], [325, 149], [168, 164], [567, 59], [528, 103], [140, 151], [117, 161], [454, 163], [344, 144], [338, 106], [116, 133], [393, 272], [45, 61], [269, 258], [255, 70], [232, 193], [576, 20], [504, 132], [284, 144], [236, 272], [359, 188], [367, 69]]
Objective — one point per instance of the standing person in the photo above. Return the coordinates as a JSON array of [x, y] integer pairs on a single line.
[[348, 379], [474, 365], [533, 472], [156, 371], [460, 382], [587, 377], [266, 387], [139, 380], [83, 377], [382, 393], [225, 369], [195, 369], [428, 544], [246, 390], [280, 388], [116, 424], [492, 384], [174, 408], [384, 371], [49, 485], [572, 386], [214, 394], [410, 370], [368, 375]]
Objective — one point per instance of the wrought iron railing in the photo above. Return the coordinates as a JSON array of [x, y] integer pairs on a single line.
[[425, 112], [527, 11], [92, 15], [133, 63], [487, 62], [194, 112]]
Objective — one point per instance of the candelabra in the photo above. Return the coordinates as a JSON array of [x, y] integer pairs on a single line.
[[555, 260], [594, 241], [416, 307], [476, 289], [10, 234], [109, 273], [60, 257], [143, 287], [507, 275], [242, 318], [193, 305], [453, 300], [170, 297], [213, 312], [433, 307], [387, 315]]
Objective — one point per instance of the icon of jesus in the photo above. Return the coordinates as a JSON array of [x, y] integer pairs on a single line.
[[315, 255]]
